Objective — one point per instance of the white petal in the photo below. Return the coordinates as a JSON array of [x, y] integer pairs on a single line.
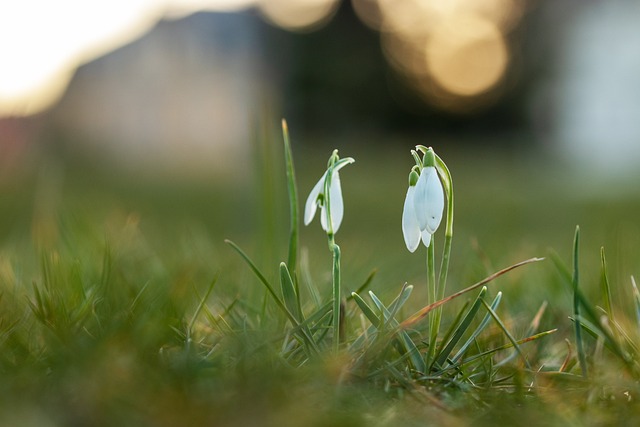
[[335, 200], [426, 238], [323, 217], [312, 201], [410, 227], [429, 200]]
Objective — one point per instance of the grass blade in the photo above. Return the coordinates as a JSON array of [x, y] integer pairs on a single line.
[[636, 299], [426, 310], [405, 340], [203, 301], [502, 347], [367, 311], [293, 200], [462, 328], [289, 292], [576, 304], [402, 298], [365, 284], [279, 302], [606, 288], [483, 324], [514, 342]]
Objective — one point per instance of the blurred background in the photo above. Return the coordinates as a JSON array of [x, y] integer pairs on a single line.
[[183, 83], [171, 109]]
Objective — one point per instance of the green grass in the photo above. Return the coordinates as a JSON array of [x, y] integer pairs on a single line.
[[120, 303]]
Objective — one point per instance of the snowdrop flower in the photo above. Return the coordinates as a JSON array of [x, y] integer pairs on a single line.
[[333, 200], [423, 207]]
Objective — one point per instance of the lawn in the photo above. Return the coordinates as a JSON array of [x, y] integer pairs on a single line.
[[122, 304]]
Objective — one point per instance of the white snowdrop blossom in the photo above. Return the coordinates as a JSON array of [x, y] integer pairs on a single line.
[[317, 197], [423, 208]]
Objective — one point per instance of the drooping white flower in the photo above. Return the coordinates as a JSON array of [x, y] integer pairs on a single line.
[[410, 227], [317, 197], [423, 208]]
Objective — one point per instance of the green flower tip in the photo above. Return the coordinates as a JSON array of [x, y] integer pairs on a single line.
[[333, 159], [413, 177], [429, 158]]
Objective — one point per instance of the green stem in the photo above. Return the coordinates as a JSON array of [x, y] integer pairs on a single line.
[[434, 321], [444, 266], [335, 273], [335, 249]]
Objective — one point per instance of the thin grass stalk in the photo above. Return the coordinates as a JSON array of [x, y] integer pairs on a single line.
[[394, 307], [446, 337], [606, 287], [201, 304], [403, 338], [576, 305], [478, 330], [272, 292], [366, 284], [591, 323], [504, 329], [423, 312], [506, 346], [636, 299], [292, 257], [462, 328]]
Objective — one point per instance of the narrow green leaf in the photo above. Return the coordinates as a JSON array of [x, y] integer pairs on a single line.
[[582, 358], [201, 304], [636, 299], [289, 293], [606, 288], [262, 279], [265, 282], [426, 310], [293, 200], [404, 338], [365, 284], [596, 330], [454, 325], [462, 328], [501, 348], [504, 329], [367, 311], [483, 324], [311, 287], [396, 304], [315, 318]]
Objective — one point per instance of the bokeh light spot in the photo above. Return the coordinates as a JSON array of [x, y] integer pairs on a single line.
[[466, 55], [299, 15]]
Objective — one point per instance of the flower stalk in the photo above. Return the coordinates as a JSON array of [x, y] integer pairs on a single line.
[[422, 214], [327, 193]]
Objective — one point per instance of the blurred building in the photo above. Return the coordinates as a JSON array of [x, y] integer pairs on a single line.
[[182, 98]]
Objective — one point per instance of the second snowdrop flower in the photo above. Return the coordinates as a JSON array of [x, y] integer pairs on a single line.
[[423, 205]]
